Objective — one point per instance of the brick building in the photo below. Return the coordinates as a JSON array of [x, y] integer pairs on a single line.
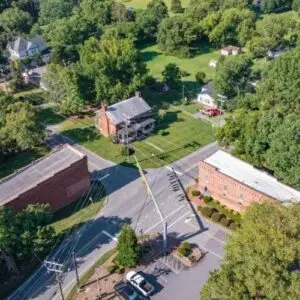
[[237, 184], [131, 117], [58, 179]]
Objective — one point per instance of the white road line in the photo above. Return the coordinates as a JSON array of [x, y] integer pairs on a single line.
[[171, 169], [172, 213], [183, 216], [109, 235], [215, 254]]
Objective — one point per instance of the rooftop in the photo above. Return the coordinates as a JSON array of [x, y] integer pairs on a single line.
[[207, 88], [38, 171], [21, 44], [127, 109], [231, 48], [252, 177]]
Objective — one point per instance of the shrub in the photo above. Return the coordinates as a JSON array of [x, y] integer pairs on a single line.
[[192, 258], [111, 269], [195, 193], [216, 201], [207, 199], [186, 245], [216, 217], [183, 251], [200, 77], [120, 270], [222, 216], [225, 222], [234, 226], [207, 211]]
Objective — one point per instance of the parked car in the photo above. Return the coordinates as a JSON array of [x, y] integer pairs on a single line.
[[211, 112], [140, 283], [127, 292]]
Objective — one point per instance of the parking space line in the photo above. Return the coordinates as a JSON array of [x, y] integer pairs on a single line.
[[183, 216], [109, 235]]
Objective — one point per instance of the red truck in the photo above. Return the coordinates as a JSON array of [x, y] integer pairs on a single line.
[[211, 112]]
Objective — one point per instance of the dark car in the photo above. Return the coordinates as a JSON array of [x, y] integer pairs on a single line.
[[127, 292]]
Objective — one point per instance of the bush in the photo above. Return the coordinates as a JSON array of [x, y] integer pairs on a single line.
[[216, 201], [225, 222], [200, 77], [183, 251], [207, 199], [207, 211], [216, 217], [120, 270], [192, 258], [234, 226], [222, 216], [186, 245], [195, 193], [111, 269]]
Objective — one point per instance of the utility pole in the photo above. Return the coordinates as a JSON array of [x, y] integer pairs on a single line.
[[182, 91], [98, 286], [57, 269], [164, 221], [221, 108], [76, 271]]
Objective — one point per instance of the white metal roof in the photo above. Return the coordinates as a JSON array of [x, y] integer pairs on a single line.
[[252, 177], [37, 172]]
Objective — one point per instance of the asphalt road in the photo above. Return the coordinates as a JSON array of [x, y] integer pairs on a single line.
[[127, 202]]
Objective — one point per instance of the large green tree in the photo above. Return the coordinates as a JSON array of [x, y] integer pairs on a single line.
[[51, 10], [262, 257], [115, 66], [128, 252], [176, 36], [232, 76], [172, 75], [269, 6], [63, 87]]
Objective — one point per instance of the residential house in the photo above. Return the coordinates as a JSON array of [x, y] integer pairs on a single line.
[[237, 184], [126, 120], [206, 96], [58, 179], [230, 50], [213, 63], [22, 48]]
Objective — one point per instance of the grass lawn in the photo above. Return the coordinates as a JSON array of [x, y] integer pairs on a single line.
[[66, 218], [156, 61], [142, 4], [20, 160], [177, 134]]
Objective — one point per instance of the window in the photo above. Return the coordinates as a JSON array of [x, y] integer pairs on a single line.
[[206, 179], [241, 198], [224, 190]]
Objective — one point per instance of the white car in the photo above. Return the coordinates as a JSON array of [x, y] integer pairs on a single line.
[[140, 283]]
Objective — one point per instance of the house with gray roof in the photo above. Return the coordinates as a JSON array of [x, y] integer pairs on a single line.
[[207, 97], [22, 48], [129, 119]]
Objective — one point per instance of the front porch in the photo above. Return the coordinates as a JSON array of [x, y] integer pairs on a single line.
[[133, 132]]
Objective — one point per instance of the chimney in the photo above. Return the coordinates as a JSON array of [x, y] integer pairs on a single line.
[[138, 94], [104, 107]]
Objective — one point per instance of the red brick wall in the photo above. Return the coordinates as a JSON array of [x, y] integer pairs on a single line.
[[104, 125], [228, 191], [59, 190]]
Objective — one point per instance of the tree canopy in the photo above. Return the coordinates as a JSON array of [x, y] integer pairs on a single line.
[[262, 257], [115, 66]]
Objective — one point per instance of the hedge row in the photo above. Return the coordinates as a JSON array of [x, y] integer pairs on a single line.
[[218, 217]]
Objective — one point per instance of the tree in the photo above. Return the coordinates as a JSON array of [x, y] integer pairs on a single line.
[[63, 87], [296, 5], [232, 76], [65, 35], [176, 7], [157, 8], [15, 21], [200, 77], [199, 9], [25, 234], [262, 257], [52, 10], [176, 36], [115, 66], [231, 26], [172, 75], [269, 6], [128, 252]]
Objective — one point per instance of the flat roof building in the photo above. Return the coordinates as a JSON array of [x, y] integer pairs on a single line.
[[58, 179], [236, 183]]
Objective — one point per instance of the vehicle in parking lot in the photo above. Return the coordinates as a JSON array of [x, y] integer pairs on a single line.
[[127, 292], [140, 283]]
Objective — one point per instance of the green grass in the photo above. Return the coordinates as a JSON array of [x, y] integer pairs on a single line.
[[89, 273], [65, 218], [20, 160], [156, 61], [142, 4]]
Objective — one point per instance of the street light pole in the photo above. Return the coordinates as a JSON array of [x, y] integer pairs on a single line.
[[164, 221], [76, 271]]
